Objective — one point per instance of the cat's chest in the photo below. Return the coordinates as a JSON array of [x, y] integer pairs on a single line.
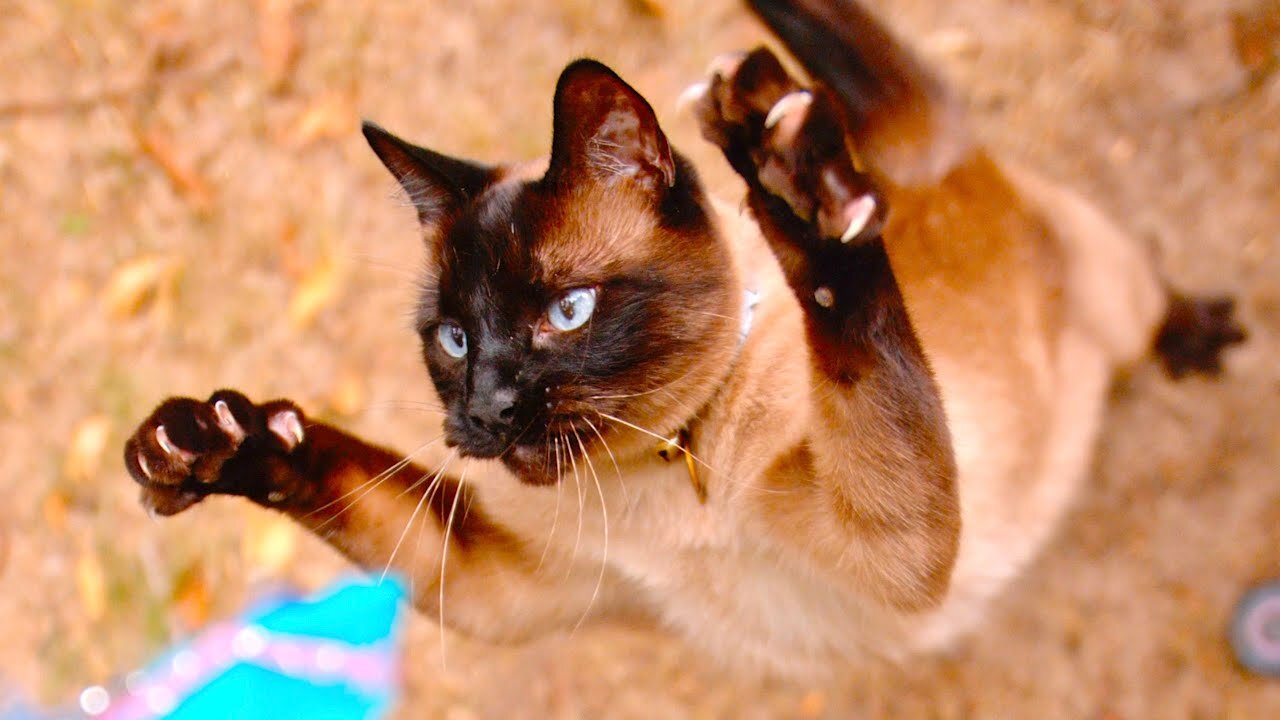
[[712, 573], [636, 519]]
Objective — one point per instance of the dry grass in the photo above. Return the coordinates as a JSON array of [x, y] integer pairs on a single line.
[[186, 204]]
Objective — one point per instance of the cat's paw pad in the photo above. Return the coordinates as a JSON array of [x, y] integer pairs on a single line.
[[804, 160], [188, 449]]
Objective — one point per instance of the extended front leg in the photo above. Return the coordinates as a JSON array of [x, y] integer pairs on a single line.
[[872, 493], [378, 510]]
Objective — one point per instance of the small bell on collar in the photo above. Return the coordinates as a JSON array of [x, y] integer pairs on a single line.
[[677, 446]]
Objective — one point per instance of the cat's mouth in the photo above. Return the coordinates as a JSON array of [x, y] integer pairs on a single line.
[[533, 460], [539, 448], [532, 463], [486, 448]]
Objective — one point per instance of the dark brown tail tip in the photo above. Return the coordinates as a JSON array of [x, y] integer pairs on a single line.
[[1194, 334]]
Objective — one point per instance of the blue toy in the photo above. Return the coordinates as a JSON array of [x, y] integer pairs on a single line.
[[332, 656]]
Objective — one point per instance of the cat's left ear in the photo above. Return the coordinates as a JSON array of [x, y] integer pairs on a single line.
[[438, 185], [604, 130]]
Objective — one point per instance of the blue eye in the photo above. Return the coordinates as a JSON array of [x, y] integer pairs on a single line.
[[452, 338], [572, 310]]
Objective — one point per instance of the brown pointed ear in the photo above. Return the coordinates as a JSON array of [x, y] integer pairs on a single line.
[[604, 131], [436, 184]]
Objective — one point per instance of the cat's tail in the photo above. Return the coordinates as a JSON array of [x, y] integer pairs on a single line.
[[1194, 333], [905, 123]]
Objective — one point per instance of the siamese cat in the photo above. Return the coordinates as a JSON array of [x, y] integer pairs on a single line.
[[828, 428]]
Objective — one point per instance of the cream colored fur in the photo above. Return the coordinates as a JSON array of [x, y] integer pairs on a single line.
[[1024, 361]]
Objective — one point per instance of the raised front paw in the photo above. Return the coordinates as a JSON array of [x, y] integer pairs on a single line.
[[790, 143], [188, 449], [732, 104]]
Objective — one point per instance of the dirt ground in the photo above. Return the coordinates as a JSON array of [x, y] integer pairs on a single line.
[[186, 203]]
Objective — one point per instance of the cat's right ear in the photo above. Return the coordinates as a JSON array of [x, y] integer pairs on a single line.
[[436, 184], [604, 130]]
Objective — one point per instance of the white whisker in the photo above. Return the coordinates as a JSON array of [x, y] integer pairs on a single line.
[[555, 517], [416, 509], [381, 264], [626, 498], [428, 496], [577, 485], [444, 557], [709, 313], [604, 559], [434, 408], [370, 485], [654, 435], [658, 388]]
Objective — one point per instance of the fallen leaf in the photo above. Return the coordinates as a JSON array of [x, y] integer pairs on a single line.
[[292, 259], [91, 586], [136, 283], [76, 224], [54, 508], [277, 40], [270, 542], [191, 600], [314, 291], [178, 168], [349, 393], [332, 115], [649, 8], [84, 452], [813, 704], [169, 35], [1256, 35]]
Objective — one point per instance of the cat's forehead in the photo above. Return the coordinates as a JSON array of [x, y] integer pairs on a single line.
[[554, 238], [594, 232]]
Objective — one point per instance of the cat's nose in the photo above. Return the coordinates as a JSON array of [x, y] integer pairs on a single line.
[[494, 410]]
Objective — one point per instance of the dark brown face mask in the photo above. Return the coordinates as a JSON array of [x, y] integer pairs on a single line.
[[554, 299]]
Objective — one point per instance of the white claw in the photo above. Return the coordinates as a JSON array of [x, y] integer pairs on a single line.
[[691, 96], [287, 427], [791, 101], [173, 451], [861, 212], [142, 463], [227, 421], [162, 439]]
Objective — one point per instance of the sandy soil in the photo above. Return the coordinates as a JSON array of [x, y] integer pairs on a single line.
[[186, 202]]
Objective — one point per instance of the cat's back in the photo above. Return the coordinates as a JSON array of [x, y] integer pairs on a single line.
[[1026, 300]]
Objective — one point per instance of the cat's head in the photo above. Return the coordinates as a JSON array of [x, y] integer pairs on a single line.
[[592, 305]]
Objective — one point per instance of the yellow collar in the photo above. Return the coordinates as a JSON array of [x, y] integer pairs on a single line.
[[677, 446]]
